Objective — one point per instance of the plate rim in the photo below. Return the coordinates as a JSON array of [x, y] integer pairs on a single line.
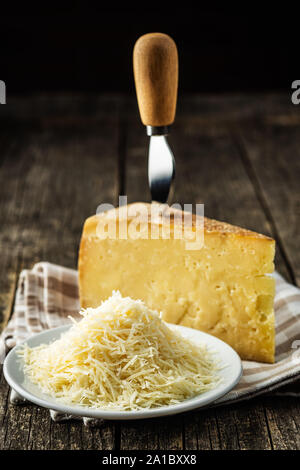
[[197, 402]]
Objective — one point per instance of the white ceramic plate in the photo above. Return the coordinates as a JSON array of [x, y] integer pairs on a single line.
[[231, 372]]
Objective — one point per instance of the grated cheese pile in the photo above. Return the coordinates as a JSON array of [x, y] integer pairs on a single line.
[[121, 356]]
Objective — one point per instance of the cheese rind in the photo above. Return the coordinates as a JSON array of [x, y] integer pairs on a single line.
[[221, 288]]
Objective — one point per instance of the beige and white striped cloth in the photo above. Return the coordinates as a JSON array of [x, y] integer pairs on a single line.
[[47, 294]]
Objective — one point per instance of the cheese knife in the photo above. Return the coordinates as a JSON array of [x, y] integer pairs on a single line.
[[155, 66]]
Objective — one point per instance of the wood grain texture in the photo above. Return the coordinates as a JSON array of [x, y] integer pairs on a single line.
[[283, 422], [61, 168], [268, 153], [155, 65], [62, 156]]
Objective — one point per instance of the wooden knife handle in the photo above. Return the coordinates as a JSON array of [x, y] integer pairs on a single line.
[[155, 66]]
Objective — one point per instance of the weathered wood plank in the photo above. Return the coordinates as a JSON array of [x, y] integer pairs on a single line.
[[272, 154], [161, 433], [283, 414], [10, 253], [39, 436], [201, 430], [62, 168], [9, 275], [244, 426], [4, 391]]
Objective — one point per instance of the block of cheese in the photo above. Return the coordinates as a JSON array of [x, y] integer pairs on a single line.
[[223, 288]]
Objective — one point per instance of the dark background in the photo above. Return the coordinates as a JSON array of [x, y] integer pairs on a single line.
[[77, 47]]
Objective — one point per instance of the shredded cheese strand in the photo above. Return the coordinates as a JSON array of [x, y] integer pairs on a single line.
[[121, 356]]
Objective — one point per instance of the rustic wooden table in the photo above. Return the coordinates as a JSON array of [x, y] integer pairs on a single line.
[[63, 155]]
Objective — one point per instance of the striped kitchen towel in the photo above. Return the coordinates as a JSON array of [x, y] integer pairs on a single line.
[[47, 294]]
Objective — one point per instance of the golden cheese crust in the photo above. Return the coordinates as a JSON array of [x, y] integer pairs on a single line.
[[176, 218]]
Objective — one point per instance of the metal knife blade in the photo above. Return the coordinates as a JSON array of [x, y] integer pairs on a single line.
[[161, 168]]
